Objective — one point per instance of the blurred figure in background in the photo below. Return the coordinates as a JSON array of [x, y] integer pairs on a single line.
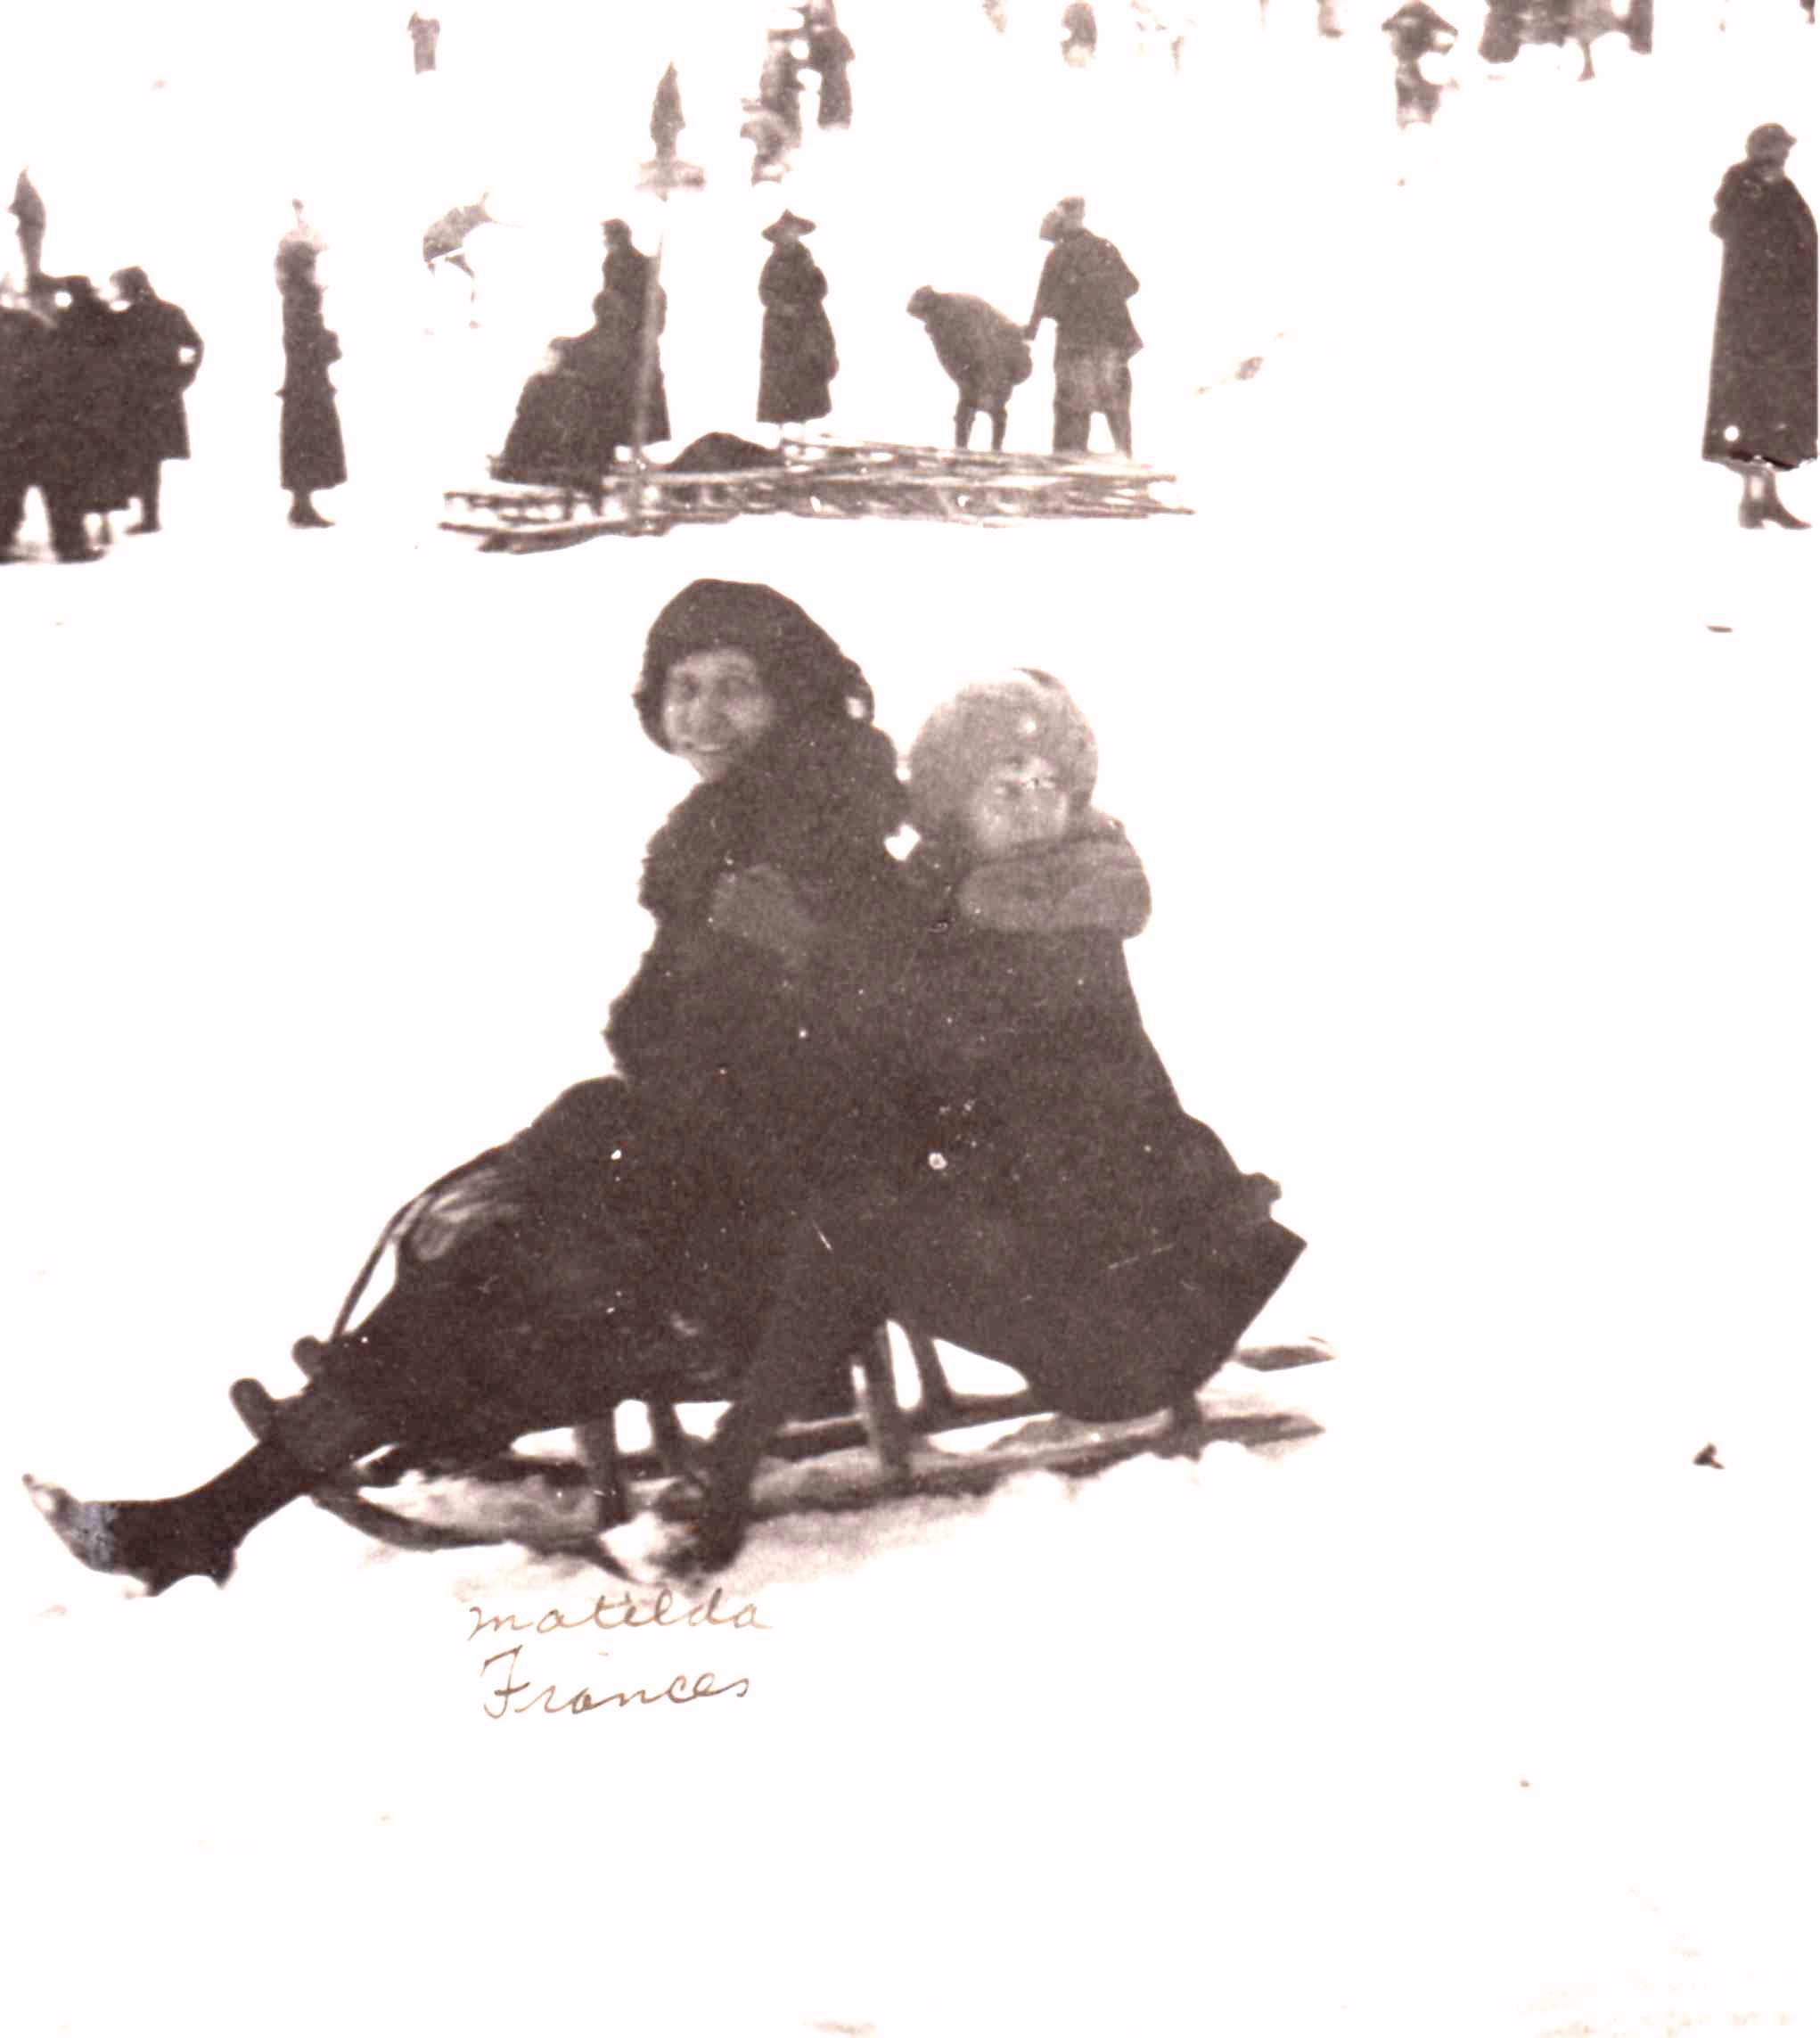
[[424, 30], [1418, 37], [1084, 288], [666, 122], [445, 239], [1081, 34], [88, 410], [983, 353], [1761, 401], [310, 452], [829, 54], [160, 352], [797, 361], [29, 209]]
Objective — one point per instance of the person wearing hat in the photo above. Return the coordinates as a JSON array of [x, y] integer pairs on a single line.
[[1051, 1206], [542, 1284], [1418, 34], [797, 359], [1760, 418], [983, 353], [1084, 288], [159, 352]]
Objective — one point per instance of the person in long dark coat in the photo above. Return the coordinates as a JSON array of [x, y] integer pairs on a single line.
[[666, 122], [1050, 1205], [160, 352], [983, 353], [630, 275], [797, 359], [1086, 287], [1417, 32], [90, 446], [44, 407], [544, 1283], [310, 452], [1760, 417]]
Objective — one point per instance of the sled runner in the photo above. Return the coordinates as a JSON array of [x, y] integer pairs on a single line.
[[557, 1504], [811, 478]]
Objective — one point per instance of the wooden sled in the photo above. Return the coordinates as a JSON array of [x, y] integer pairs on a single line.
[[816, 479], [560, 1506]]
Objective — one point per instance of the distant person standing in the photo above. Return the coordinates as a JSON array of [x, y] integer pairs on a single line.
[[1085, 288], [424, 31], [830, 55], [1761, 401], [982, 353], [1081, 35], [798, 363], [29, 209], [159, 353], [630, 277], [310, 452], [666, 122]]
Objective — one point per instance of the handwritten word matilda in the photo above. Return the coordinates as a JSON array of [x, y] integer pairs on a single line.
[[624, 1611]]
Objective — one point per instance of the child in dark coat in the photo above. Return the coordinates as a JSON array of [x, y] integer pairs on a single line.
[[1052, 1206]]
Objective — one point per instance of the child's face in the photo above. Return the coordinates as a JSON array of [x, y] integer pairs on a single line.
[[1020, 804]]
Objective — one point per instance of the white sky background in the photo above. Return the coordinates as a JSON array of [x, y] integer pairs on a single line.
[[1483, 880]]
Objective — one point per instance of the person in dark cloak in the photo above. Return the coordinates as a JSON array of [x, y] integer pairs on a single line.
[[1086, 287], [29, 209], [424, 30], [830, 55], [796, 358], [666, 120], [630, 276], [310, 452], [982, 352], [1760, 417], [161, 353], [1081, 34], [575, 413], [1417, 32], [582, 1263]]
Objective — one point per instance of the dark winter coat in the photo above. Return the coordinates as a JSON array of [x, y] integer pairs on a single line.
[[829, 54], [153, 338], [797, 360], [1761, 398], [1084, 288], [310, 453], [739, 1088], [85, 441], [985, 355], [627, 273]]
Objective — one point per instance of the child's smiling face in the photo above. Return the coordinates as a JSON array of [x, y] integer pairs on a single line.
[[1019, 803]]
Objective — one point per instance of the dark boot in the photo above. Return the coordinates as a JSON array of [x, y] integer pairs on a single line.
[[964, 425]]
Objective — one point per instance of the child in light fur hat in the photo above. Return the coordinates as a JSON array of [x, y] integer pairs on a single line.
[[1001, 783]]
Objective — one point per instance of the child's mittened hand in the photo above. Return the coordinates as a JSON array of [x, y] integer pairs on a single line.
[[760, 906]]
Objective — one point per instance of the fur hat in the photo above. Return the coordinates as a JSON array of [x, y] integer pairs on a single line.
[[1064, 215], [784, 220], [805, 671], [1029, 713]]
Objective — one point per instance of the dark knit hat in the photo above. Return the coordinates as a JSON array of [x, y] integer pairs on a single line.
[[805, 671], [1029, 713]]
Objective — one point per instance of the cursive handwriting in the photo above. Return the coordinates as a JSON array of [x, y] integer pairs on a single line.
[[624, 1611], [679, 1691]]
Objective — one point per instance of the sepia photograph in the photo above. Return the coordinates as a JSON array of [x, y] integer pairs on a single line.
[[910, 1065]]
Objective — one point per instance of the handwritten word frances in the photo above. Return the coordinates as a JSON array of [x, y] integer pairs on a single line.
[[680, 1690]]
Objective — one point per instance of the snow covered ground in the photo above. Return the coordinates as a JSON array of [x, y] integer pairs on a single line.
[[1470, 746]]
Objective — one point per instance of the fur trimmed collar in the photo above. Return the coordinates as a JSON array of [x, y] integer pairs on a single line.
[[817, 798]]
